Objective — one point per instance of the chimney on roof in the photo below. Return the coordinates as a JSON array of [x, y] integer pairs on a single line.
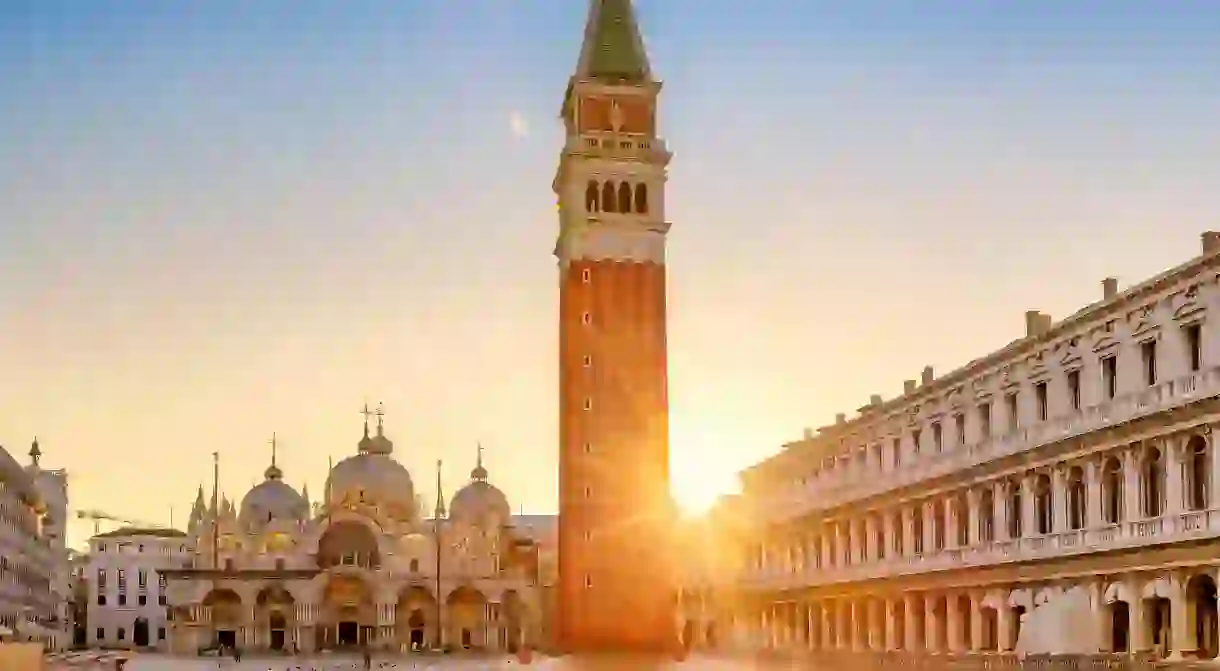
[[1109, 288], [1031, 323], [841, 418], [908, 386], [875, 399], [1211, 242], [927, 376], [808, 433], [1044, 323]]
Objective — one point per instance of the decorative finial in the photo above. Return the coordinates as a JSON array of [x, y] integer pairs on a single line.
[[35, 452], [367, 413], [440, 497], [380, 416], [273, 471], [479, 473]]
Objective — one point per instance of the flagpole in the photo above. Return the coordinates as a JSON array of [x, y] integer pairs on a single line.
[[436, 533]]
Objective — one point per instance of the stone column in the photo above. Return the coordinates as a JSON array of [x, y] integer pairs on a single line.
[[812, 624], [1214, 481], [1171, 452], [931, 624], [1182, 638], [876, 626], [953, 612], [1132, 494], [1028, 506], [828, 546], [928, 511], [870, 537], [999, 513], [973, 536], [829, 625], [1093, 493], [976, 621], [1136, 627], [1097, 602], [1004, 628], [909, 603], [1059, 500], [887, 524], [891, 625]]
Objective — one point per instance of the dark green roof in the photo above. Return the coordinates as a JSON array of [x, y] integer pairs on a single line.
[[142, 531], [617, 51]]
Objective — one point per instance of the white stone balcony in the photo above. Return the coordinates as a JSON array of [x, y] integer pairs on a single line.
[[1169, 528], [841, 489]]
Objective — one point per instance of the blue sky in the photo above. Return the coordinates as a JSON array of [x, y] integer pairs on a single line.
[[221, 219]]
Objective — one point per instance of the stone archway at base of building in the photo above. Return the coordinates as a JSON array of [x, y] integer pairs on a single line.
[[139, 633], [415, 619]]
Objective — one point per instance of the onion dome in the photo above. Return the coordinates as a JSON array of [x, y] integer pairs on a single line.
[[480, 502], [373, 477], [272, 499]]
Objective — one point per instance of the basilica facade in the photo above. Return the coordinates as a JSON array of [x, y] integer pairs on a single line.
[[365, 567]]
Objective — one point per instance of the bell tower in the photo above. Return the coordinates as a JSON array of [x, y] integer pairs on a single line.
[[616, 589]]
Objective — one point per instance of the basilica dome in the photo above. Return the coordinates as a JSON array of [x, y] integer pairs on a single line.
[[273, 500], [480, 502], [374, 478]]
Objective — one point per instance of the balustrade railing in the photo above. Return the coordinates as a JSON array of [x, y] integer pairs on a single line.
[[854, 484], [1170, 528]]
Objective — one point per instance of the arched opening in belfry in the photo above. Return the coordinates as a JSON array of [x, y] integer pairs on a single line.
[[609, 197], [1076, 498], [1198, 480], [592, 197], [624, 198], [1112, 491], [641, 198], [1152, 476]]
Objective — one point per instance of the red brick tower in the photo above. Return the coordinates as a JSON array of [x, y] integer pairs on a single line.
[[616, 588]]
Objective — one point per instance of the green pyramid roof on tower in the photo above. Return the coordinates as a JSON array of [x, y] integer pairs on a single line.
[[617, 52]]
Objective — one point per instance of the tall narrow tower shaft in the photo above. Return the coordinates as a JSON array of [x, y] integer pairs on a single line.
[[616, 589]]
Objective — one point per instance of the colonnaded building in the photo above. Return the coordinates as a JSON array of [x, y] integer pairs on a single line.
[[1056, 496], [365, 567]]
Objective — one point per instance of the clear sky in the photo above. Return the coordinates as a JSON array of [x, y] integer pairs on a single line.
[[223, 218]]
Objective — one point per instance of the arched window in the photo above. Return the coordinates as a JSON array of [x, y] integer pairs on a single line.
[[641, 198], [1015, 512], [880, 541], [961, 520], [592, 196], [624, 198], [1112, 491], [938, 526], [1153, 476], [1076, 498], [608, 197], [1198, 480], [986, 516], [1043, 503], [898, 534]]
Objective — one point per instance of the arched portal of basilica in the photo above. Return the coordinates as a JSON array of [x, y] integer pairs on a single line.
[[363, 568]]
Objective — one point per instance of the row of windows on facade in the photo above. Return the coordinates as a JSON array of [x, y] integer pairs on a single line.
[[983, 424], [120, 634], [162, 549], [618, 197], [954, 510], [141, 600], [142, 578]]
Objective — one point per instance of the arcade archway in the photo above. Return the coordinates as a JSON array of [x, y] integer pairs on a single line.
[[349, 615], [275, 618], [512, 621], [466, 623], [227, 618], [415, 619]]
